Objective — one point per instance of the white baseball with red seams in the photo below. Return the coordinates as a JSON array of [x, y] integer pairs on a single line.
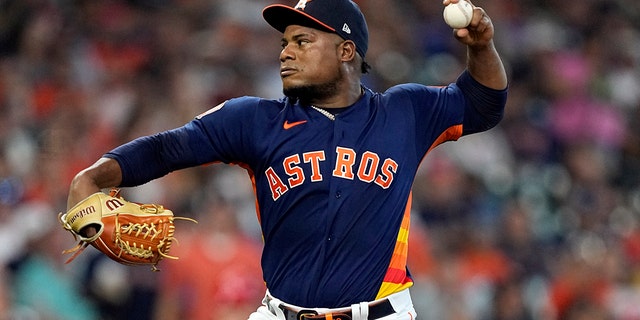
[[458, 15]]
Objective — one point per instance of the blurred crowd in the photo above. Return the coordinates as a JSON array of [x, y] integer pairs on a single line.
[[538, 218]]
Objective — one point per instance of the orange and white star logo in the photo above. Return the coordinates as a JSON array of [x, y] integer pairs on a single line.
[[302, 4]]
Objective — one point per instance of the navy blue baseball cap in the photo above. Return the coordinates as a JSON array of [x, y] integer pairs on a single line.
[[342, 17]]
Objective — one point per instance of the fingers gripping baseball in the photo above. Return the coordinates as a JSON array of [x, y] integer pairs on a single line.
[[479, 31]]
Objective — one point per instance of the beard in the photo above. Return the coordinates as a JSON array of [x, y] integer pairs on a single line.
[[310, 93]]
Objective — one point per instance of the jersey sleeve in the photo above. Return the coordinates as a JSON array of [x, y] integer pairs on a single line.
[[221, 134], [445, 113], [485, 106], [435, 113]]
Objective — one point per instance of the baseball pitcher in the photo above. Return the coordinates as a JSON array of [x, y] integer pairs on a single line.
[[332, 161]]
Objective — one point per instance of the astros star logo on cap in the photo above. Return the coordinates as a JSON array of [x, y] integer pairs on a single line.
[[302, 4]]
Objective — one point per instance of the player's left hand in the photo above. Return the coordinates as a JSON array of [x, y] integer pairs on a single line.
[[480, 31], [127, 232]]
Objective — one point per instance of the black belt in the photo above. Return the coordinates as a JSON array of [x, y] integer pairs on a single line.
[[376, 310]]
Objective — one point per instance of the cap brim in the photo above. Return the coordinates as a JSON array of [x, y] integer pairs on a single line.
[[280, 17]]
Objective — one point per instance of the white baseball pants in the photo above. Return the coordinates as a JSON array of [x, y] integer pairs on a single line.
[[401, 302]]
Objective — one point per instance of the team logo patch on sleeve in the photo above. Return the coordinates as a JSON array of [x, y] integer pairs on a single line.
[[212, 110]]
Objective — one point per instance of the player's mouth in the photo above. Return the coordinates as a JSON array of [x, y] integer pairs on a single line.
[[286, 71]]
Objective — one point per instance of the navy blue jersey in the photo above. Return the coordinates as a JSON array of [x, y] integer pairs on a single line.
[[333, 196]]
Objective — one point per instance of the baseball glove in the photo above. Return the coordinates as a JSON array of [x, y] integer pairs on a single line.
[[127, 232]]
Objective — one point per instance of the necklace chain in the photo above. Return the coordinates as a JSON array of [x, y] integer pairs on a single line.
[[326, 113]]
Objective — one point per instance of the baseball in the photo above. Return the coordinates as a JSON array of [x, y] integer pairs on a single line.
[[458, 15]]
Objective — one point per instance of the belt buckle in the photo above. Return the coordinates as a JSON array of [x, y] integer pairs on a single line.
[[302, 314]]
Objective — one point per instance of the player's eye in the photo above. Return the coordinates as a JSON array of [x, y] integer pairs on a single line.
[[298, 41]]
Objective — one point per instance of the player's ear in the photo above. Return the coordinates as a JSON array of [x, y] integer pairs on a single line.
[[347, 51]]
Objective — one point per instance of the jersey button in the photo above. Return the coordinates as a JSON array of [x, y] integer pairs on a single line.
[[338, 195]]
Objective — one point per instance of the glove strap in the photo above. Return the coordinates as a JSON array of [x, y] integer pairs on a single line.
[[77, 250]]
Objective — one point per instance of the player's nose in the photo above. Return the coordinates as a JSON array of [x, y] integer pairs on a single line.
[[286, 53]]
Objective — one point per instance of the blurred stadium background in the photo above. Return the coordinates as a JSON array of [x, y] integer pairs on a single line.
[[535, 219]]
